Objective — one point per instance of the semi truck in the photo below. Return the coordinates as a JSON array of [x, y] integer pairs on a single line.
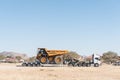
[[55, 58]]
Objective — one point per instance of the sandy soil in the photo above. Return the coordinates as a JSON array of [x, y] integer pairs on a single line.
[[105, 72]]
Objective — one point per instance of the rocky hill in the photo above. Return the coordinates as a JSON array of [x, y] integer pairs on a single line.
[[14, 54]]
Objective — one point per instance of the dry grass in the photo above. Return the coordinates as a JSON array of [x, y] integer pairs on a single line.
[[105, 72]]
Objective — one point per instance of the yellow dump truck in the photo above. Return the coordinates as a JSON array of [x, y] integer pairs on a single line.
[[50, 56]]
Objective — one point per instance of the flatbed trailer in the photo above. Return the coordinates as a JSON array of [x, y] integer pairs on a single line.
[[37, 64], [53, 65]]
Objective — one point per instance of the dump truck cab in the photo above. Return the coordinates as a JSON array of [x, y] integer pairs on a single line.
[[50, 56], [42, 52]]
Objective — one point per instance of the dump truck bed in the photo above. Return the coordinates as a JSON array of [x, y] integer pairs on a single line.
[[56, 52]]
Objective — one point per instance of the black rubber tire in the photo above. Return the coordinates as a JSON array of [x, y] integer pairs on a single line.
[[34, 65], [83, 64], [88, 65], [79, 65], [29, 65], [96, 65], [37, 65], [70, 65], [24, 64], [76, 65]]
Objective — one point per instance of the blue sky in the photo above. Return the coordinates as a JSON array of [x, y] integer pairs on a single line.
[[84, 26]]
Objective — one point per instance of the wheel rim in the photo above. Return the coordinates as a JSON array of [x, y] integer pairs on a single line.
[[58, 60], [43, 60]]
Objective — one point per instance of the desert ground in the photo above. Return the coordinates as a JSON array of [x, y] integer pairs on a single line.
[[105, 72]]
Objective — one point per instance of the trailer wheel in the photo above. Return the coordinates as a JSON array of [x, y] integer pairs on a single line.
[[88, 65], [70, 65], [37, 65], [76, 65], [96, 65], [24, 64], [29, 65], [34, 65], [79, 65], [84, 64]]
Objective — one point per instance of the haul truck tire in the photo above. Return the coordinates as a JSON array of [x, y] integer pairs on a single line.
[[43, 60], [51, 59], [58, 60]]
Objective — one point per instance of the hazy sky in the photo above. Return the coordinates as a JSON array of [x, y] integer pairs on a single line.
[[84, 26]]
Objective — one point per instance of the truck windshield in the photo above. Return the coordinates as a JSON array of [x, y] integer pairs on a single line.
[[97, 59]]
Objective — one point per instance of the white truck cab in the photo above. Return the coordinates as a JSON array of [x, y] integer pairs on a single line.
[[96, 60]]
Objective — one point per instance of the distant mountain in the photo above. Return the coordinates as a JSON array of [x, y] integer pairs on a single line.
[[14, 54]]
